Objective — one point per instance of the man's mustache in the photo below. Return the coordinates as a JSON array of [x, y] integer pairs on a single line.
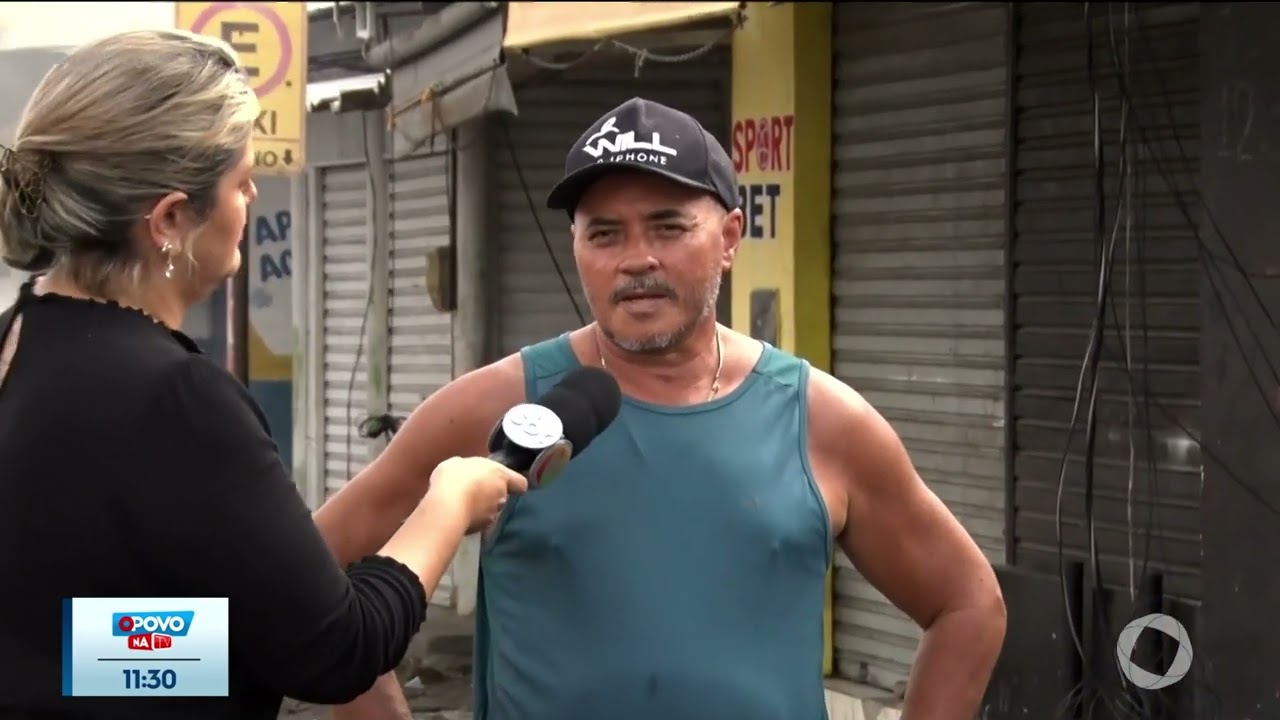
[[648, 285]]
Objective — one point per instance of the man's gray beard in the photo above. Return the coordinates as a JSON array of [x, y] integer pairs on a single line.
[[663, 342]]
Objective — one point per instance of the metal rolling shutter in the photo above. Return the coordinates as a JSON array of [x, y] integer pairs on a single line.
[[344, 196], [421, 339], [918, 279], [532, 301], [421, 350], [1056, 285]]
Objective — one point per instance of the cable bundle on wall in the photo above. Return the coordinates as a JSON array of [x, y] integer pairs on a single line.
[[1094, 692]]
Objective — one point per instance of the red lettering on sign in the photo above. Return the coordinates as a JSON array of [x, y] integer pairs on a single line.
[[766, 139]]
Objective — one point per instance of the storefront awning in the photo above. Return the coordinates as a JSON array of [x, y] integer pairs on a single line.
[[444, 73], [534, 24]]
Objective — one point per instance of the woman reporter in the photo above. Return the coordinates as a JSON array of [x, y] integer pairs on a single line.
[[131, 465]]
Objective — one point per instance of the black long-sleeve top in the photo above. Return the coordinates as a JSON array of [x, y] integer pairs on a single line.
[[133, 466]]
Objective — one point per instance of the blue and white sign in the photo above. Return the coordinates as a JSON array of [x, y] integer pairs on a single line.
[[144, 647], [271, 269]]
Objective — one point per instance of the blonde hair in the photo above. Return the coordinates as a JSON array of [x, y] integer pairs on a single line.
[[116, 126]]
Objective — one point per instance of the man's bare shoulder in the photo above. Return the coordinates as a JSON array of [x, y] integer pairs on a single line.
[[455, 420], [843, 426], [504, 376], [833, 402], [479, 396]]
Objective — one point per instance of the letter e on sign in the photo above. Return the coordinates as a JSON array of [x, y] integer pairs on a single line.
[[270, 40]]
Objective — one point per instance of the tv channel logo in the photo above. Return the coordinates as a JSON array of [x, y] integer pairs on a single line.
[[145, 646], [151, 630], [1128, 640]]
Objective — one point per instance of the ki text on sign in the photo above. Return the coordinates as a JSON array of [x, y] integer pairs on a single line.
[[761, 146], [124, 647], [271, 41]]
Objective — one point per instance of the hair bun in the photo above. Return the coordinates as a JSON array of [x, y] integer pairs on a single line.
[[23, 175]]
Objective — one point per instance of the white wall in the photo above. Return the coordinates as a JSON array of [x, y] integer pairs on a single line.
[[47, 24], [44, 24]]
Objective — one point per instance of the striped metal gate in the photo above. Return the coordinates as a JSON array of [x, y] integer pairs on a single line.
[[918, 279], [344, 211], [421, 339], [420, 351]]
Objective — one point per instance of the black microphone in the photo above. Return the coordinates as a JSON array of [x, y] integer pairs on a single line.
[[539, 438]]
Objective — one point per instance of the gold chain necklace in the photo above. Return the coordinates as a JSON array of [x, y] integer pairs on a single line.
[[715, 379]]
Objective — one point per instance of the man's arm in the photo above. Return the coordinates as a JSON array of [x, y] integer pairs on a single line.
[[456, 420], [384, 701], [364, 514], [906, 542]]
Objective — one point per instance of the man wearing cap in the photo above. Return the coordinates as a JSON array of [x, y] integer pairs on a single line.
[[675, 570]]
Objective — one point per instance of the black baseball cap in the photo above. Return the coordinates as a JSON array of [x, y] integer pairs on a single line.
[[650, 137]]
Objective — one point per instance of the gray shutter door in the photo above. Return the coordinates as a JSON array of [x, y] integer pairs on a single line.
[[344, 196], [918, 279], [533, 304], [1056, 293], [421, 339], [421, 351]]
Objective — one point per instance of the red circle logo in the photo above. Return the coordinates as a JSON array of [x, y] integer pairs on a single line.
[[763, 144], [270, 80], [126, 623]]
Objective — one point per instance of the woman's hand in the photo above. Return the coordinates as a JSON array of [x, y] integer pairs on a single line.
[[476, 487]]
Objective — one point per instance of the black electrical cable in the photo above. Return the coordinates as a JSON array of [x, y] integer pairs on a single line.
[[1122, 704], [1187, 215], [1209, 215], [1088, 370], [1140, 705], [1143, 709], [1125, 703], [1126, 193], [1204, 688], [1089, 689], [537, 219], [384, 426], [1167, 102], [1185, 211], [364, 316], [1106, 248]]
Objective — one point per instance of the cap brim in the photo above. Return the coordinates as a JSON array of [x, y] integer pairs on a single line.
[[569, 191]]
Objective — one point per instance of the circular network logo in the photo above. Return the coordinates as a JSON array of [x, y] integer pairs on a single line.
[[1146, 679]]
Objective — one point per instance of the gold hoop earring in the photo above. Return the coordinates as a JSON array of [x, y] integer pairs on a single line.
[[167, 249]]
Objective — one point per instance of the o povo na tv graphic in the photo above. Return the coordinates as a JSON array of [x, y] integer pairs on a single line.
[[140, 647]]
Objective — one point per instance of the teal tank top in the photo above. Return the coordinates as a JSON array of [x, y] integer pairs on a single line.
[[674, 571]]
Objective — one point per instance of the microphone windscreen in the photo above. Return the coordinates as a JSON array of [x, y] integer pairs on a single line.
[[587, 401]]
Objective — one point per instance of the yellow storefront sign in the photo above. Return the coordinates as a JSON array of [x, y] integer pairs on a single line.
[[271, 40]]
